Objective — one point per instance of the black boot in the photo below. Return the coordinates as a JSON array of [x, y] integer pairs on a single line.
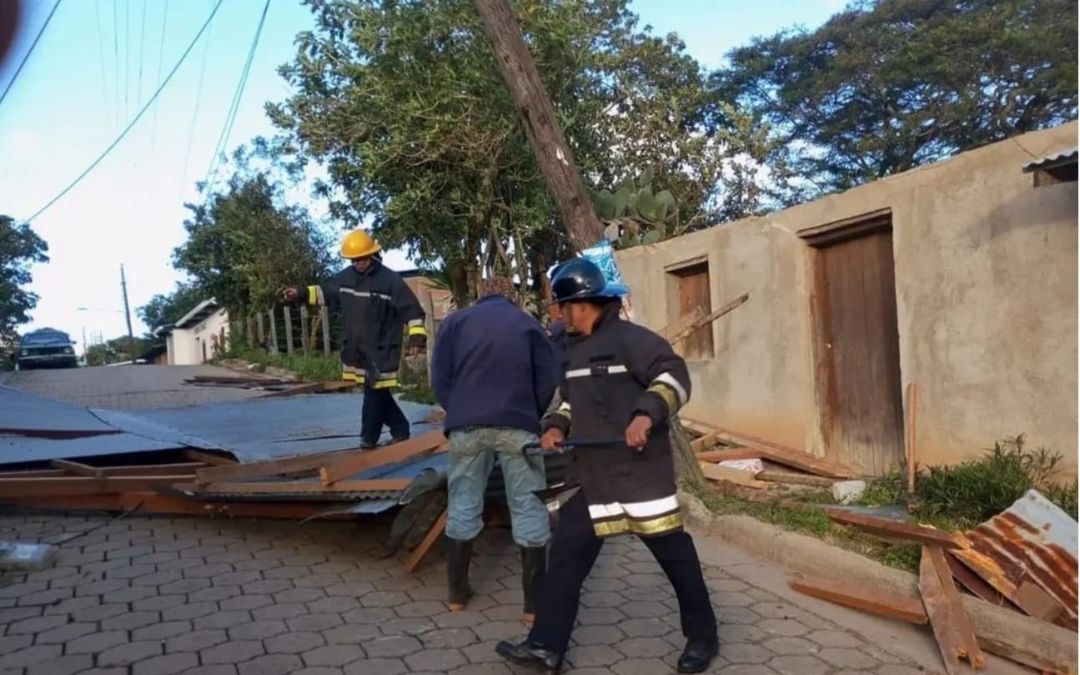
[[533, 567], [698, 655], [458, 555], [528, 654]]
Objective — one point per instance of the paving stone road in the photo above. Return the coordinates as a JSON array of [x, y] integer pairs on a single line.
[[157, 596]]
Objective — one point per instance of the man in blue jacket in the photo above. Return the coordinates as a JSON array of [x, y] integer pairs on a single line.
[[494, 373]]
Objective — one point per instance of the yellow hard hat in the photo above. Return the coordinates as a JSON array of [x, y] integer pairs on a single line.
[[358, 244]]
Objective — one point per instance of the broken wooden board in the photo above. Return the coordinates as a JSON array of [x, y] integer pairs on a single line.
[[153, 502], [208, 458], [694, 326], [433, 535], [76, 468], [299, 487], [81, 485], [952, 628], [1037, 603], [24, 556], [795, 478], [703, 443], [355, 462], [727, 474], [895, 529], [753, 447], [864, 598], [284, 466], [974, 583], [683, 322]]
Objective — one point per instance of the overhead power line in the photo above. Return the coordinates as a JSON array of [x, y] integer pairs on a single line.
[[26, 57], [230, 116], [135, 120]]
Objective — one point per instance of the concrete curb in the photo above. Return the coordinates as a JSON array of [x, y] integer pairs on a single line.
[[1001, 631]]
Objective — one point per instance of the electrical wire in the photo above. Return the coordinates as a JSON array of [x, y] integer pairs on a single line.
[[230, 117], [101, 60], [157, 78], [26, 56], [134, 120]]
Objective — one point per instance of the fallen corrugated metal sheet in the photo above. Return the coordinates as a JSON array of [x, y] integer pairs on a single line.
[[25, 449], [30, 415], [1031, 540]]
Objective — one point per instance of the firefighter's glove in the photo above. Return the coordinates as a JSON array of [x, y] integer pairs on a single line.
[[292, 293], [552, 440], [637, 434]]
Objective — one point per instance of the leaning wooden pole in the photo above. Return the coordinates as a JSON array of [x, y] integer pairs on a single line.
[[557, 163], [538, 117]]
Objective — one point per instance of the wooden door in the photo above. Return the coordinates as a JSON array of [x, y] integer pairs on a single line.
[[858, 351], [693, 288]]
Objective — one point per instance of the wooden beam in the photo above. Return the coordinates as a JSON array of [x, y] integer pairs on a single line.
[[552, 152], [909, 440], [952, 628], [153, 502], [308, 388], [355, 462], [429, 540], [864, 598], [76, 468], [974, 583], [754, 447], [80, 485], [207, 458], [895, 529], [703, 443], [706, 320], [727, 474], [680, 324], [795, 478], [285, 466], [729, 453], [153, 469], [302, 487], [35, 473]]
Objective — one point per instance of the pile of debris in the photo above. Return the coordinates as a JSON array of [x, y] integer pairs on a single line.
[[275, 386]]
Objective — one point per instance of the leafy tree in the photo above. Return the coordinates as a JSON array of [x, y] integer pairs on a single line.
[[117, 350], [20, 248], [245, 242], [405, 107], [166, 308], [887, 85]]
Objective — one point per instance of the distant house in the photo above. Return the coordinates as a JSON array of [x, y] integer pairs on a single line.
[[435, 300], [198, 336]]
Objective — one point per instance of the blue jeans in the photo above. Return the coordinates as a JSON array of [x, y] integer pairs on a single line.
[[472, 457]]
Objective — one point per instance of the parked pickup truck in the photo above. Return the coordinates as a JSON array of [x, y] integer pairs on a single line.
[[46, 348]]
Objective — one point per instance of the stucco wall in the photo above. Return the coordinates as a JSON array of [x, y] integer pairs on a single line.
[[986, 269], [185, 345]]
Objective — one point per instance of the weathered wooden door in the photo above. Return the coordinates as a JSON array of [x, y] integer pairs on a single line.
[[857, 348], [693, 284]]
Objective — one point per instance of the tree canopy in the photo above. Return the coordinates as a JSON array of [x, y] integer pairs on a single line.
[[20, 248], [166, 308], [887, 85], [404, 105]]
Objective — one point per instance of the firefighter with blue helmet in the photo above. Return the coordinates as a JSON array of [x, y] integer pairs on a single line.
[[622, 382]]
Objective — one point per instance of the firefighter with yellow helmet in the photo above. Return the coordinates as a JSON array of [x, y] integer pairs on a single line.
[[377, 308]]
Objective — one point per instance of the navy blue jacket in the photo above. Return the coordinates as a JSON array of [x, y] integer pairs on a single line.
[[493, 366]]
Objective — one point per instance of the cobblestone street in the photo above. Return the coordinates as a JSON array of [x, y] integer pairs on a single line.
[[156, 596]]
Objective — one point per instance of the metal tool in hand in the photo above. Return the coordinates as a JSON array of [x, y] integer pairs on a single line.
[[574, 445]]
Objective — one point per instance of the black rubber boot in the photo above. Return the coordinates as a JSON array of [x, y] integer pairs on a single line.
[[458, 556], [533, 567], [698, 655], [528, 654]]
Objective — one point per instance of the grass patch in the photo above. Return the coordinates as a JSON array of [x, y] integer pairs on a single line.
[[418, 393], [309, 367]]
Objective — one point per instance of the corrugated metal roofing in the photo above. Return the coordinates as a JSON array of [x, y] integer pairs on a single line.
[[1031, 540], [1068, 156], [30, 415], [24, 449]]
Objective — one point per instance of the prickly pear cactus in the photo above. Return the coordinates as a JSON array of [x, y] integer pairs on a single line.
[[634, 214]]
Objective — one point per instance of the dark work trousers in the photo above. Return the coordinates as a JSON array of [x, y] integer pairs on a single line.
[[574, 547], [380, 408]]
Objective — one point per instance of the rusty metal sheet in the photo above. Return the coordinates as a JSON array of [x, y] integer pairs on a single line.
[[1032, 540]]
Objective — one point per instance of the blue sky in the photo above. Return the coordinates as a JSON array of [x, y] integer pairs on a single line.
[[98, 63]]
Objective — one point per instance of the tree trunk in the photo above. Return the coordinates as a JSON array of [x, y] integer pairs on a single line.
[[459, 283], [538, 117]]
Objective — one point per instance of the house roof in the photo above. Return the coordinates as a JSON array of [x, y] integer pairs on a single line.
[[1062, 158], [198, 314]]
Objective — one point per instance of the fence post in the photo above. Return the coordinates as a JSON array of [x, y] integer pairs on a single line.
[[430, 320], [304, 329], [324, 315], [249, 331], [273, 332], [261, 328], [288, 330]]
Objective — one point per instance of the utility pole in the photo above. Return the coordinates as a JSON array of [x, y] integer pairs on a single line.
[[538, 117], [127, 315]]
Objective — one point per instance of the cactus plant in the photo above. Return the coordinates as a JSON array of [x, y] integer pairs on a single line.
[[635, 214]]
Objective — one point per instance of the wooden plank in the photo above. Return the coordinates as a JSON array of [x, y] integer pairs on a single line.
[[288, 331], [1037, 603], [360, 461], [305, 339], [152, 469], [713, 316], [909, 440], [207, 458], [864, 598], [894, 529], [952, 628], [153, 502], [76, 468], [429, 540], [261, 328], [703, 443], [725, 473], [697, 427], [273, 332], [680, 324], [36, 473], [80, 485], [285, 466], [795, 478], [781, 454], [324, 319], [974, 583], [729, 453], [301, 487], [308, 388]]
